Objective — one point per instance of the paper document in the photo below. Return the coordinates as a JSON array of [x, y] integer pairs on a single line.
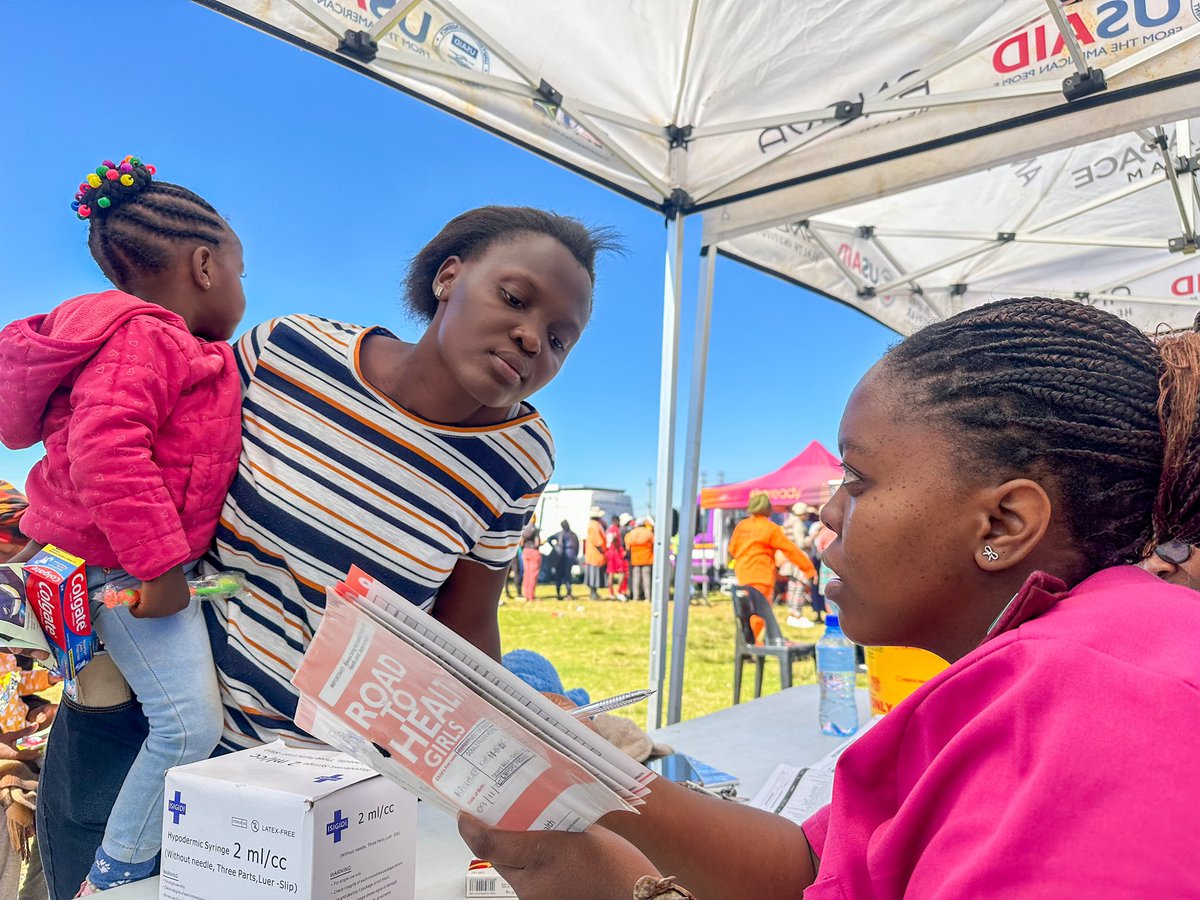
[[398, 690], [796, 792], [19, 627]]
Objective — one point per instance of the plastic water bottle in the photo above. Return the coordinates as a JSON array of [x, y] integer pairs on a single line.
[[837, 670]]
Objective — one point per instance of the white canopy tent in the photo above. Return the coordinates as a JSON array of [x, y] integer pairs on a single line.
[[1110, 222], [764, 113]]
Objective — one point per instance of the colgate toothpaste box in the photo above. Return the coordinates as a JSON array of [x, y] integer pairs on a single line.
[[56, 587]]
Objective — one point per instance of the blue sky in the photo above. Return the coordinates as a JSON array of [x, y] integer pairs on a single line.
[[334, 181]]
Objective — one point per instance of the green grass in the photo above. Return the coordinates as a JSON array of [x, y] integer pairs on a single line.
[[605, 647]]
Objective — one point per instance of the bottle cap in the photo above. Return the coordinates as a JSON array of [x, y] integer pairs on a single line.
[[831, 620]]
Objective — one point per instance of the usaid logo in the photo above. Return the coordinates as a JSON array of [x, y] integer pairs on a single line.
[[339, 824], [176, 807], [462, 48]]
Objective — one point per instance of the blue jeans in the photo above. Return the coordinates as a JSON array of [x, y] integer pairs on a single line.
[[89, 753], [168, 664]]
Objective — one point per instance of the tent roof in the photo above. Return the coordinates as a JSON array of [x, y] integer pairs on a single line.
[[804, 479], [1111, 222], [702, 103]]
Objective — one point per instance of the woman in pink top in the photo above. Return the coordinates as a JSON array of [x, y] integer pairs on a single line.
[[1034, 449], [136, 397]]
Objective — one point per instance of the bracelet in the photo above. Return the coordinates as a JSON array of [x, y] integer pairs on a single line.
[[650, 888]]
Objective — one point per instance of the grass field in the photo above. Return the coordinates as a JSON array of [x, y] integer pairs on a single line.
[[605, 647]]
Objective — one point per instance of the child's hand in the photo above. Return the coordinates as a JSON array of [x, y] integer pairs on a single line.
[[162, 596]]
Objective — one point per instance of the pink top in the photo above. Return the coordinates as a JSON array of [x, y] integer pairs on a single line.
[[141, 424], [1056, 760]]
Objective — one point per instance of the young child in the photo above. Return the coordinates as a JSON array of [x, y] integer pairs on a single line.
[[135, 394]]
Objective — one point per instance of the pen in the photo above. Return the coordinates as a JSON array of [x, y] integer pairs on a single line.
[[611, 703]]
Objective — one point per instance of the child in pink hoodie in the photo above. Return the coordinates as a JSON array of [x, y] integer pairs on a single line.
[[135, 396]]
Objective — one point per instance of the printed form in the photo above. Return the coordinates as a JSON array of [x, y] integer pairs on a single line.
[[398, 690]]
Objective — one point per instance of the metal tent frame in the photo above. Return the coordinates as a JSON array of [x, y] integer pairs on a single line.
[[646, 156]]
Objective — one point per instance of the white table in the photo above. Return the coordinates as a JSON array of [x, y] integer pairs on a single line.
[[747, 740]]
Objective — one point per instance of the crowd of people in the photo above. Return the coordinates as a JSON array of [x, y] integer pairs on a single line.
[[618, 556], [1035, 450]]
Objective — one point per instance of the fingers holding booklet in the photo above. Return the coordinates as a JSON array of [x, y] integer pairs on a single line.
[[402, 693]]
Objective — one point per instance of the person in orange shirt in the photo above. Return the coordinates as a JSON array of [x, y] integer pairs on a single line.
[[640, 543], [594, 547], [753, 544]]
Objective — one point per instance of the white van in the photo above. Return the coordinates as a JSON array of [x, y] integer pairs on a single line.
[[574, 503]]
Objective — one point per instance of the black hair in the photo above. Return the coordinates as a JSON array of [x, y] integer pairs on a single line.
[[137, 224], [470, 234], [1074, 397]]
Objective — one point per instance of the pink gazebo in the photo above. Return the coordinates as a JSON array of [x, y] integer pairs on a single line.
[[806, 478]]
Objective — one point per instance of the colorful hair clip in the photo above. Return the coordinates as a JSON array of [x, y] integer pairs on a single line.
[[133, 160], [127, 180], [109, 163], [104, 203], [94, 180], [100, 170], [84, 187], [84, 211], [125, 167], [151, 169], [75, 205], [112, 174]]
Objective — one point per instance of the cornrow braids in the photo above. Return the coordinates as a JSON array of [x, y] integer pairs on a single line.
[[1069, 394], [136, 224], [470, 234]]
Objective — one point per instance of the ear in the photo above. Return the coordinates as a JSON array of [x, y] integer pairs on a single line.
[[450, 269], [1014, 519], [203, 267]]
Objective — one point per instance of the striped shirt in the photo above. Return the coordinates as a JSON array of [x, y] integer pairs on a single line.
[[333, 473]]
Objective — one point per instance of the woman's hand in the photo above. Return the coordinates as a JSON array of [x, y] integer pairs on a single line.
[[27, 553], [39, 655], [551, 865], [162, 596], [8, 749]]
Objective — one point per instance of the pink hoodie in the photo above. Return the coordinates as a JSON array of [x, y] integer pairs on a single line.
[[1056, 760], [141, 424]]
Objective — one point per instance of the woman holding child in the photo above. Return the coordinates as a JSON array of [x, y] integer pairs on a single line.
[[419, 462]]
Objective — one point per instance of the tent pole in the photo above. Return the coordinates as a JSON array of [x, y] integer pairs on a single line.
[[691, 485], [1068, 36], [660, 588], [1181, 203]]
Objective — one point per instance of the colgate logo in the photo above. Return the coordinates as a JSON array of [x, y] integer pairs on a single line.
[[45, 599], [79, 620]]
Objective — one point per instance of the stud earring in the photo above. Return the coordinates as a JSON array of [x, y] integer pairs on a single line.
[[990, 553], [437, 291]]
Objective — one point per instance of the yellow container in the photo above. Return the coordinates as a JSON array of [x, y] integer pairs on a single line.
[[895, 672]]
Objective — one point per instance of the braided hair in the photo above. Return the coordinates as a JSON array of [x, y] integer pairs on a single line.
[[1078, 398], [470, 234], [137, 224]]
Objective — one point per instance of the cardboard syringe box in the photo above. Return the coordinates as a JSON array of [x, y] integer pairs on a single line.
[[277, 821]]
